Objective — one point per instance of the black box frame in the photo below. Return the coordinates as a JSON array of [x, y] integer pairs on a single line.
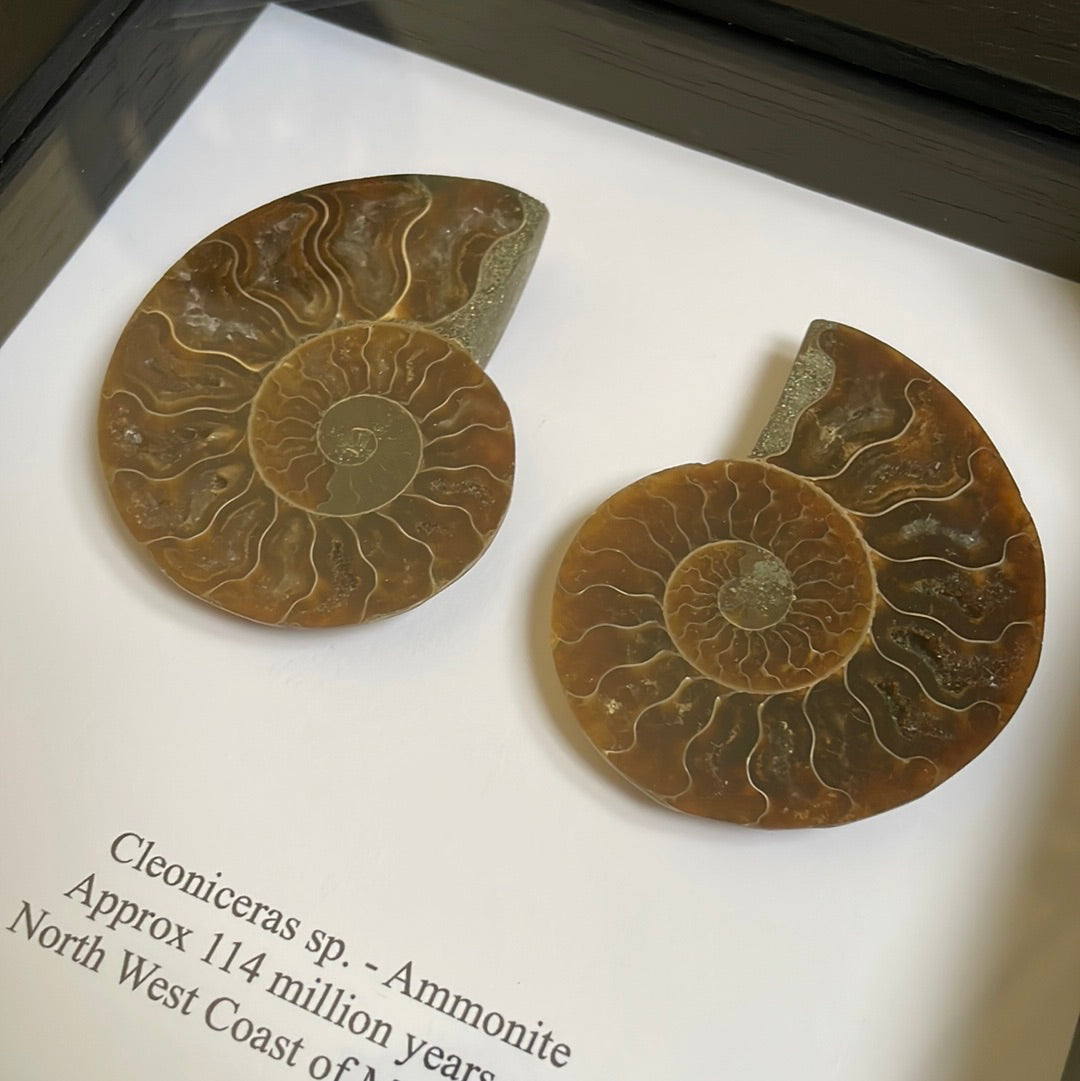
[[916, 125]]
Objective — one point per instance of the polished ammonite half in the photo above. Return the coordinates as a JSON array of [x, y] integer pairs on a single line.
[[296, 422], [818, 633]]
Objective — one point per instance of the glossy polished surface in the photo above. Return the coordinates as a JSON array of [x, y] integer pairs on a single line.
[[296, 423], [822, 632]]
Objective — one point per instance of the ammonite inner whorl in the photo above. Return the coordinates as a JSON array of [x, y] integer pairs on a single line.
[[296, 422], [823, 631]]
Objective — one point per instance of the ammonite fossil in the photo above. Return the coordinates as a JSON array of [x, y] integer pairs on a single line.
[[296, 422], [823, 631]]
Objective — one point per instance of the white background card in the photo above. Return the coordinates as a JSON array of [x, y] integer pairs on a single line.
[[417, 789]]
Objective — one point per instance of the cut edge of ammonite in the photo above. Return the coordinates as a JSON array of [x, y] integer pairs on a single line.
[[818, 633], [295, 423]]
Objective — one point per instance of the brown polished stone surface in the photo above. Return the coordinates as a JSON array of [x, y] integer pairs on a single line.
[[819, 633], [296, 423]]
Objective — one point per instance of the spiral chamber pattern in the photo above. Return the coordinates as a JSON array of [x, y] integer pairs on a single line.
[[296, 422], [821, 632]]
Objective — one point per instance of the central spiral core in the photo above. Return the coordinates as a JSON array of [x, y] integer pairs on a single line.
[[780, 602], [761, 591], [325, 449], [346, 443]]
